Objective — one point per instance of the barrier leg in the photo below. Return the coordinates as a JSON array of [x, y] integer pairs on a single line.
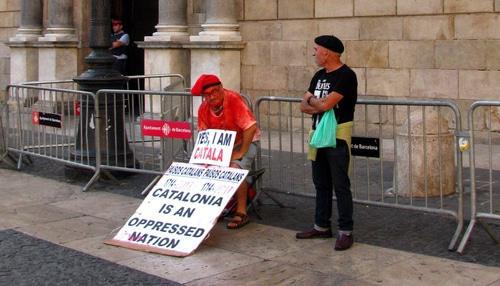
[[466, 237], [150, 186], [94, 178], [455, 237], [8, 159], [20, 161], [254, 209], [489, 232]]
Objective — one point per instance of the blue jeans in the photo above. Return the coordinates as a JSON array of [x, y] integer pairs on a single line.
[[330, 172]]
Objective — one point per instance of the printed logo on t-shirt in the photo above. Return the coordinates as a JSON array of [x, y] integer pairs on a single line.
[[322, 87]]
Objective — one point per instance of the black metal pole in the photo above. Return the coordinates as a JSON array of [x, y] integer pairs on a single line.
[[101, 75]]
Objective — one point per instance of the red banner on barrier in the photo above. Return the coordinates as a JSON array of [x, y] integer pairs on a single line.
[[77, 108], [46, 119], [170, 129]]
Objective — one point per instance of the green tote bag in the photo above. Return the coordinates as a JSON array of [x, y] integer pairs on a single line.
[[326, 131]]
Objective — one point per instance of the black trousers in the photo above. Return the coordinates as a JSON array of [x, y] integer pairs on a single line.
[[120, 65], [330, 172]]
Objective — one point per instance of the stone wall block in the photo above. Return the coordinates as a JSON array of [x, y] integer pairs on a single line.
[[388, 82], [411, 54], [428, 28], [9, 19], [270, 77], [334, 8], [415, 7], [10, 5], [461, 54], [4, 66], [6, 33], [240, 9], [381, 28], [288, 53], [434, 83], [374, 8], [477, 26], [296, 9], [261, 31], [261, 9], [256, 53], [299, 78], [344, 29], [497, 5], [361, 76], [246, 77], [299, 30], [372, 54], [493, 55], [479, 85], [467, 6]]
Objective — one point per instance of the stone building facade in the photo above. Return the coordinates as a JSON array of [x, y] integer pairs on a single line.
[[398, 48]]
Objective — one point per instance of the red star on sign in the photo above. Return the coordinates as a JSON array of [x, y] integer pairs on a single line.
[[35, 118], [166, 129]]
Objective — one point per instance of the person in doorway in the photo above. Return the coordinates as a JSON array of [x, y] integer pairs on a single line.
[[119, 43], [334, 86], [225, 109]]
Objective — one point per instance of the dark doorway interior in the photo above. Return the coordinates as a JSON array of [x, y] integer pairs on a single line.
[[139, 18]]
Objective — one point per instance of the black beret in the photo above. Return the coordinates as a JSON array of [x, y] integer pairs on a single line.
[[330, 42]]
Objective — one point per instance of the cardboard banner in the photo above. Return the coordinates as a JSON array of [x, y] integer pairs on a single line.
[[213, 147], [170, 129], [180, 210], [46, 119]]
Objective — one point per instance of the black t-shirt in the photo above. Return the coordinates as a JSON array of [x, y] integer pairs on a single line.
[[342, 80]]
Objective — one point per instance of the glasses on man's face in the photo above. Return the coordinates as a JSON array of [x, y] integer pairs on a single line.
[[210, 92]]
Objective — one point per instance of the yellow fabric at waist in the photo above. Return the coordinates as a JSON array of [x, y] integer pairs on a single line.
[[344, 132]]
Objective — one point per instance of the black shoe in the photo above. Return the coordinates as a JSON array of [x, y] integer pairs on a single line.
[[344, 242], [313, 234]]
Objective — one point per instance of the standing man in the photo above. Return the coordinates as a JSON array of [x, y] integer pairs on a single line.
[[119, 43], [335, 86], [225, 109]]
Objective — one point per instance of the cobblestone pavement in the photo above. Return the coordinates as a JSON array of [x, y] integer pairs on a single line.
[[25, 260]]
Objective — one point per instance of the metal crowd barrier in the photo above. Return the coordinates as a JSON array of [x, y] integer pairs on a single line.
[[484, 166], [45, 122], [5, 157], [375, 181], [157, 82], [131, 151]]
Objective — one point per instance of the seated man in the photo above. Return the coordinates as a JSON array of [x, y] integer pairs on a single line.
[[225, 109]]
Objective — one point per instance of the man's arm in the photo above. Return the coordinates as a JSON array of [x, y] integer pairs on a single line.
[[310, 104], [123, 41], [247, 140]]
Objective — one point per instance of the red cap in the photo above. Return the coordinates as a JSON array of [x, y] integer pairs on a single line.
[[116, 21], [203, 82]]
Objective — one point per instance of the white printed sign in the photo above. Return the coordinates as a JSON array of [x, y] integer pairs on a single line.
[[180, 210], [213, 147]]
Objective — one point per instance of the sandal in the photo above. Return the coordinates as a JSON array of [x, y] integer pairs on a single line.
[[238, 220]]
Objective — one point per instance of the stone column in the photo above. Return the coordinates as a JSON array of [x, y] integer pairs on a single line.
[[30, 27], [217, 48], [221, 22], [164, 52], [58, 48], [60, 21], [172, 21], [23, 54]]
